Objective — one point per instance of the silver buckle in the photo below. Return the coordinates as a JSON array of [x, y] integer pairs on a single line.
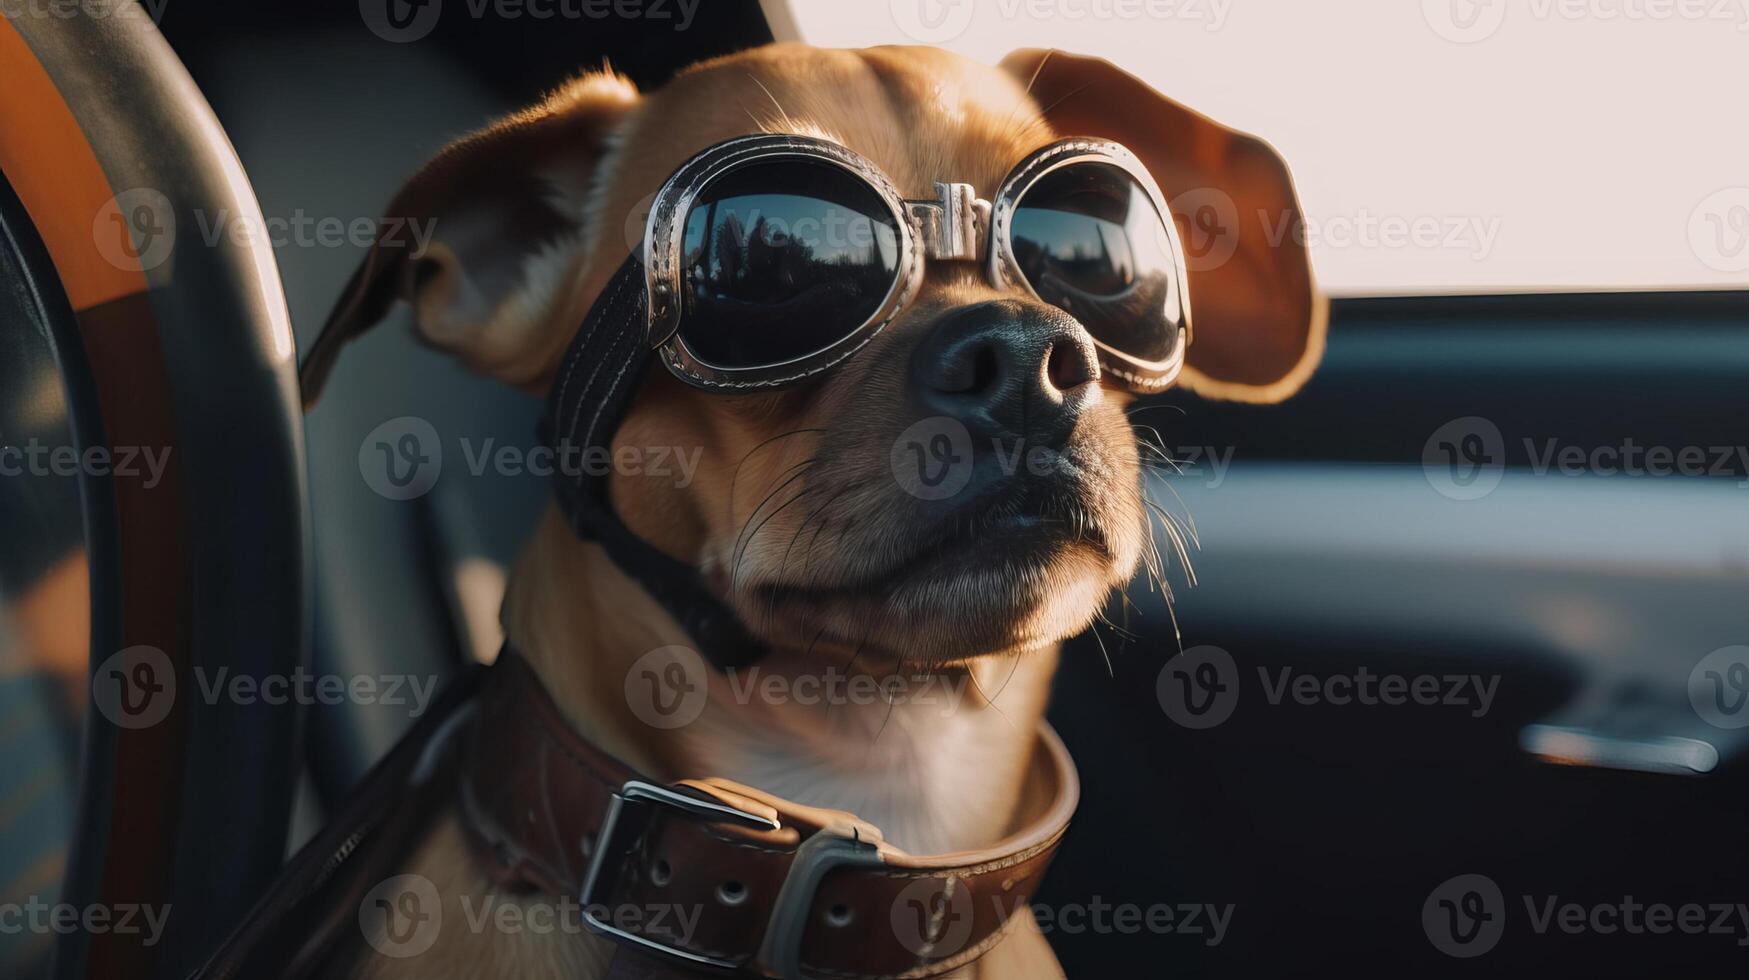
[[618, 835], [628, 818]]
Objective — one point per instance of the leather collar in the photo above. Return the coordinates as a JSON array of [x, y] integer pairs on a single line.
[[707, 874]]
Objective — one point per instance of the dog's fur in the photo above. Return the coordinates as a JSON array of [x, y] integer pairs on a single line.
[[793, 515]]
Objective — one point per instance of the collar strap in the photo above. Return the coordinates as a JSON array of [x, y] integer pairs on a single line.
[[750, 882], [599, 376]]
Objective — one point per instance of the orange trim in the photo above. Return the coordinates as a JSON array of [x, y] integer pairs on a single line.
[[50, 165]]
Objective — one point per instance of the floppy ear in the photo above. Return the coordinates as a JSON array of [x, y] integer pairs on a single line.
[[1258, 319], [485, 241]]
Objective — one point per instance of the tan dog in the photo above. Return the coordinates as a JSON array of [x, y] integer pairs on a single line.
[[835, 569]]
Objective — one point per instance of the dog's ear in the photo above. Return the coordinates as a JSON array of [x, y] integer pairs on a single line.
[[1258, 317], [486, 239]]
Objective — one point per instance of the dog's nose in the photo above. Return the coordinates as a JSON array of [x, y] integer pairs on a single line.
[[1008, 368]]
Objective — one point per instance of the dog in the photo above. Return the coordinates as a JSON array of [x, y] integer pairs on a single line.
[[794, 518]]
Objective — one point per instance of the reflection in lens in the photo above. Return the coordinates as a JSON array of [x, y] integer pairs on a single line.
[[782, 259], [1088, 239]]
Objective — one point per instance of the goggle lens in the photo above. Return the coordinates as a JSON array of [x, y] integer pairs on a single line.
[[782, 259]]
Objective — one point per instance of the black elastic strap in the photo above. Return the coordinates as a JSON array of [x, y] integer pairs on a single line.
[[595, 386]]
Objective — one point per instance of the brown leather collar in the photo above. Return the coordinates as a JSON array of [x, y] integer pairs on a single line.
[[708, 873]]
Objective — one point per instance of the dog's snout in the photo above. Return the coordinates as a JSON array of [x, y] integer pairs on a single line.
[[1007, 368]]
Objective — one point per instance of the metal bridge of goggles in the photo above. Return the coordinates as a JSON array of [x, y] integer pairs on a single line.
[[955, 226]]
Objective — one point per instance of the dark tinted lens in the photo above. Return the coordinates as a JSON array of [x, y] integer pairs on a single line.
[[782, 259], [1088, 239]]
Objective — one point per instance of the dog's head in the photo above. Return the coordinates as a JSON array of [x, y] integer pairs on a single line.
[[816, 510]]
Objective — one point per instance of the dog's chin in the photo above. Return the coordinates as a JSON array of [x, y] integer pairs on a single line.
[[1025, 584]]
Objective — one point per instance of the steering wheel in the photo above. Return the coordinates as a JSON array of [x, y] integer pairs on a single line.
[[130, 333]]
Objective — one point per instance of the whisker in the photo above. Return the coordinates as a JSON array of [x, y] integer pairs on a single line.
[[744, 540]]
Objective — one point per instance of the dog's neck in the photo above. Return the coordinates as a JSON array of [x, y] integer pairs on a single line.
[[938, 767]]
